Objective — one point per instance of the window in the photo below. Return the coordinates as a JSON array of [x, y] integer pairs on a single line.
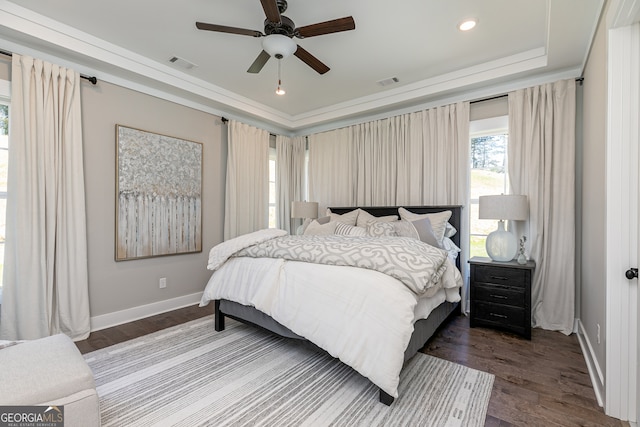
[[272, 187], [489, 138]]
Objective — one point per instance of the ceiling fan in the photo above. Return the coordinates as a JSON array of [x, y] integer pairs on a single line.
[[277, 29]]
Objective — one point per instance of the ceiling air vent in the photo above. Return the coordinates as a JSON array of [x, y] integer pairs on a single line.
[[389, 81], [183, 63]]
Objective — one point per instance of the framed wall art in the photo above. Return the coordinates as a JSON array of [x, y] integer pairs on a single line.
[[158, 195]]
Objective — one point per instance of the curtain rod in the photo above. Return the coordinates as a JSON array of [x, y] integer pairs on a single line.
[[579, 80], [92, 79]]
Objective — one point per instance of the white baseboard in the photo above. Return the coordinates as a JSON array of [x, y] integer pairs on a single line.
[[135, 313], [597, 378]]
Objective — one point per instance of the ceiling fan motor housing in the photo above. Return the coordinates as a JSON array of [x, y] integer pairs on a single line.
[[286, 27]]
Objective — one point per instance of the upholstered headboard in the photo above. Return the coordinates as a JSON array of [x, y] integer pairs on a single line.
[[455, 220]]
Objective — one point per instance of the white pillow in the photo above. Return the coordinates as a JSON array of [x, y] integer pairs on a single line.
[[305, 224], [451, 249], [438, 221], [364, 217], [317, 229], [450, 231], [348, 218]]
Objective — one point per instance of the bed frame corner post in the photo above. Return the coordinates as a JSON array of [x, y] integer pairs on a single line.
[[386, 398], [219, 317]]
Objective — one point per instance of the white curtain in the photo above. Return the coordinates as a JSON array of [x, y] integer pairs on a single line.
[[412, 159], [247, 191], [290, 178], [45, 289], [542, 166], [331, 174]]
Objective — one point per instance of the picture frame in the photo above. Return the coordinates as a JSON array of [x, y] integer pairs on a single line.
[[158, 195]]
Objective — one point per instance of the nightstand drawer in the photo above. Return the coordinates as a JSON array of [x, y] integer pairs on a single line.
[[499, 314], [499, 294], [498, 275]]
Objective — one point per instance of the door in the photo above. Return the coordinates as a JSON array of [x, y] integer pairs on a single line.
[[622, 382]]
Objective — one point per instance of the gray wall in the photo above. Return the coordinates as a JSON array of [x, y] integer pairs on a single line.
[[115, 286], [593, 267]]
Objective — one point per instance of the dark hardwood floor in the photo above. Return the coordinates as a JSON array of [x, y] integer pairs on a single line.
[[542, 382]]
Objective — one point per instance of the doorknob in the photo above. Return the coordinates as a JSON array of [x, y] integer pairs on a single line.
[[631, 273]]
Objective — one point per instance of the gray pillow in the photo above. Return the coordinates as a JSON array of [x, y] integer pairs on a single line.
[[425, 232]]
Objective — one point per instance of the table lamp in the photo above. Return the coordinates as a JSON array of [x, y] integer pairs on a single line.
[[501, 244], [306, 210]]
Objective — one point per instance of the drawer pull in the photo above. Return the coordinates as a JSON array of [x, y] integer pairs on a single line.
[[499, 296], [502, 316], [499, 278]]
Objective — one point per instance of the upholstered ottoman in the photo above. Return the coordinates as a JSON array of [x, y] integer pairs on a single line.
[[50, 371]]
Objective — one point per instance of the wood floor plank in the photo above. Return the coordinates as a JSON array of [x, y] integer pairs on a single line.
[[542, 382]]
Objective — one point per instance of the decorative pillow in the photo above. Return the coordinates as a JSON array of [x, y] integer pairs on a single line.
[[425, 231], [317, 229], [381, 229], [323, 220], [404, 228], [349, 230], [348, 218], [364, 217], [438, 221], [419, 229]]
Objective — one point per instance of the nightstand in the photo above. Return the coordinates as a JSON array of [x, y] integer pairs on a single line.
[[501, 295]]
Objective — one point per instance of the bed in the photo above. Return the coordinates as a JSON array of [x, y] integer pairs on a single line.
[[372, 321]]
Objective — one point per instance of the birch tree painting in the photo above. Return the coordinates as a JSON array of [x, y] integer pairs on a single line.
[[159, 187]]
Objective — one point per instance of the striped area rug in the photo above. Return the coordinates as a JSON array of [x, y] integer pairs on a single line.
[[190, 375]]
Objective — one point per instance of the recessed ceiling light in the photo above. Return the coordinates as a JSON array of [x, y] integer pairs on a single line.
[[467, 24]]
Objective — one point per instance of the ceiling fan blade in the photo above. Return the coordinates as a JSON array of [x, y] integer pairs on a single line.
[[259, 62], [271, 10], [311, 60], [225, 29], [327, 27]]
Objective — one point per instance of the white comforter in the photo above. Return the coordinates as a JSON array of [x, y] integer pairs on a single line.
[[363, 317]]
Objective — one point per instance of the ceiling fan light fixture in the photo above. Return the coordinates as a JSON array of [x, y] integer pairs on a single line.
[[277, 44], [467, 24]]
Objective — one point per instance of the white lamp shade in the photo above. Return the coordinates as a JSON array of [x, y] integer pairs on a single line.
[[502, 207], [304, 209], [278, 44]]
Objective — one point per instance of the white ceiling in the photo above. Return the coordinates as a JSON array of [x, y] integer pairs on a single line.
[[130, 42]]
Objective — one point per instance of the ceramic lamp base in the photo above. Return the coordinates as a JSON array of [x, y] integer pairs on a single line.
[[501, 244]]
